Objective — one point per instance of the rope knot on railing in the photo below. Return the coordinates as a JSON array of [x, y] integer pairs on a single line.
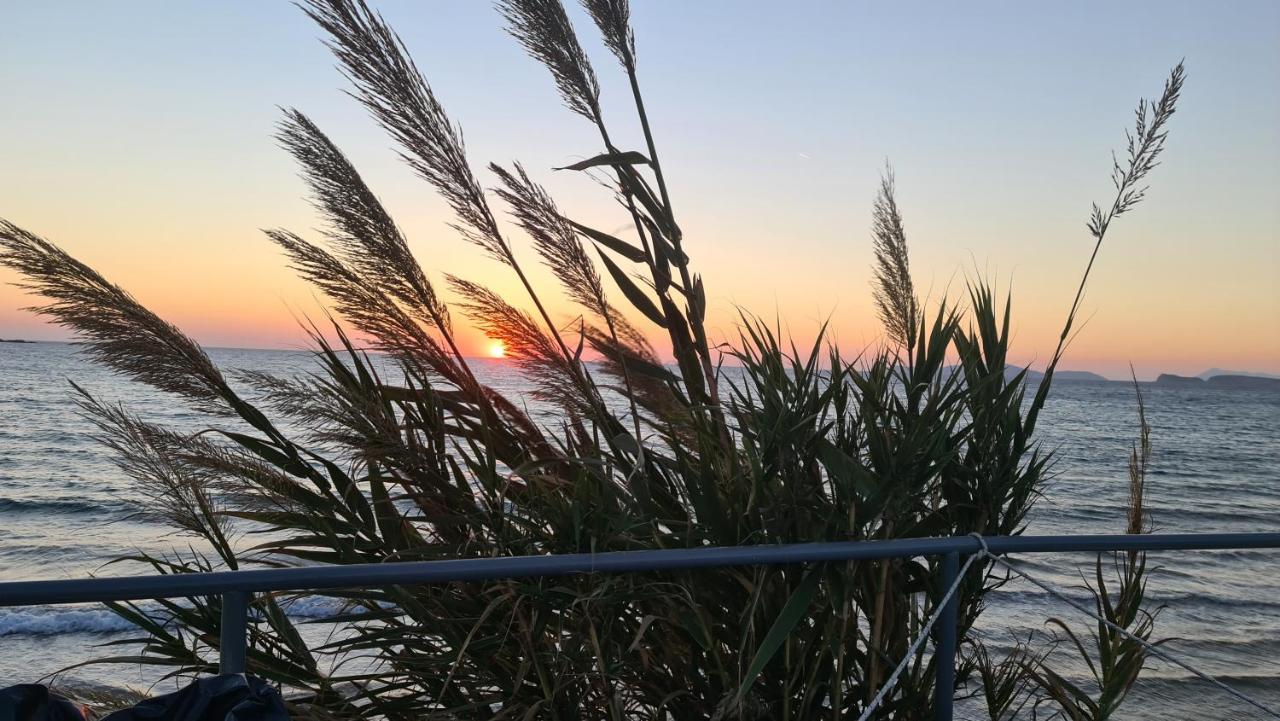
[[982, 544]]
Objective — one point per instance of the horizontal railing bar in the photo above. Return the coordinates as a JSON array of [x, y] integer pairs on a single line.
[[314, 578]]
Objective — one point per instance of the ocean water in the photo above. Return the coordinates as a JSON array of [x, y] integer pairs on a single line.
[[66, 511]]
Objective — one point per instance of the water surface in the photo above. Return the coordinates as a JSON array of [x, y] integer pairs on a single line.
[[66, 511]]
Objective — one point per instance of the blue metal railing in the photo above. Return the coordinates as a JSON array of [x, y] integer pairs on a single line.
[[237, 587]]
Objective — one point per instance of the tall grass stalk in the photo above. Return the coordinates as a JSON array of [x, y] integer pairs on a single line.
[[1114, 660], [410, 456]]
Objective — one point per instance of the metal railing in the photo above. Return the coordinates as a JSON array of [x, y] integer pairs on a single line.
[[237, 587]]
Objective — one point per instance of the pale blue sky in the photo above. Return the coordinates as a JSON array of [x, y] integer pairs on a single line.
[[138, 135]]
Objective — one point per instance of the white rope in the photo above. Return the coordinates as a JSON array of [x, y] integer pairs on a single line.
[[986, 553], [924, 634], [1152, 648]]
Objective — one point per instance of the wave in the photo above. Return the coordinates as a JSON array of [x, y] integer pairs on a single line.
[[54, 620], [63, 506], [58, 620], [1237, 681], [1192, 514], [1182, 600]]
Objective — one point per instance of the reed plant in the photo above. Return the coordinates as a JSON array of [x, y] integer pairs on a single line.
[[393, 449], [1114, 659]]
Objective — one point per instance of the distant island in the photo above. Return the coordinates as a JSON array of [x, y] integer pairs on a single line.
[[1214, 378], [1224, 381], [15, 340], [1212, 372]]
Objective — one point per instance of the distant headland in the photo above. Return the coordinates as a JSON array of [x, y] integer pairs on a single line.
[[15, 340], [1035, 376]]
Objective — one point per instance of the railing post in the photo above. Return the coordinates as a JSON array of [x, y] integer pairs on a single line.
[[234, 635], [945, 654]]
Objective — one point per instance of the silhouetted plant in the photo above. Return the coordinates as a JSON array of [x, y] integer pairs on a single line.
[[415, 458], [1117, 659]]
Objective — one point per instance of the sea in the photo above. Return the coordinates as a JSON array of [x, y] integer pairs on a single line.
[[66, 511]]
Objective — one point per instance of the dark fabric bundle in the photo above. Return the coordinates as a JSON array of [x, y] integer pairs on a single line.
[[230, 697], [33, 702]]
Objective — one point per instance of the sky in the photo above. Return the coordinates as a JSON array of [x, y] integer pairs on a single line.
[[138, 136]]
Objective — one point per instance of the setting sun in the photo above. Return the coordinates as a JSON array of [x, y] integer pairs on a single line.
[[724, 360]]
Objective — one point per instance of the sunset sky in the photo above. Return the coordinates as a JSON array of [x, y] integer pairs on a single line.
[[138, 136]]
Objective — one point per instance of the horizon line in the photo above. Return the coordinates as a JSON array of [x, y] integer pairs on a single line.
[[1219, 370]]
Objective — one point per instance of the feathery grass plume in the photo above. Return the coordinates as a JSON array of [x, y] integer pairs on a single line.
[[1145, 144], [153, 457], [553, 237], [360, 228], [317, 403], [628, 357], [117, 330], [332, 412], [557, 241], [377, 268], [654, 221], [543, 28], [631, 335], [366, 307], [895, 294], [327, 407], [243, 481], [523, 340], [389, 84], [613, 17], [636, 366], [288, 396], [393, 331]]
